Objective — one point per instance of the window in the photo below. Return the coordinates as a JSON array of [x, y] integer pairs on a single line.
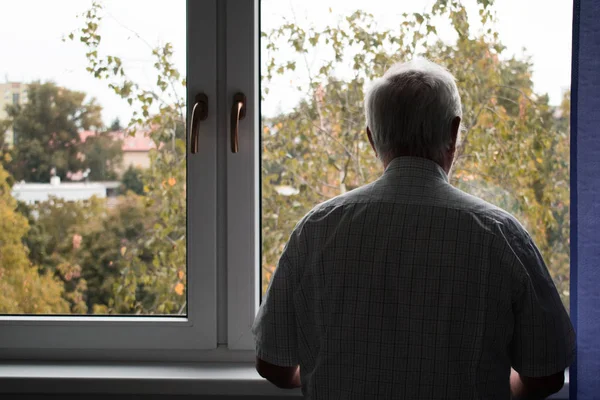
[[15, 99], [317, 56], [176, 261], [91, 270]]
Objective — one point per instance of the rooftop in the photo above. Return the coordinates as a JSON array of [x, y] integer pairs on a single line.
[[140, 141]]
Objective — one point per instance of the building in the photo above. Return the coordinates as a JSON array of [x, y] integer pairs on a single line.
[[32, 193], [11, 93], [136, 148]]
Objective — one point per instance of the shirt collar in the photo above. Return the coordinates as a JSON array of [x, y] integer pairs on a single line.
[[416, 167]]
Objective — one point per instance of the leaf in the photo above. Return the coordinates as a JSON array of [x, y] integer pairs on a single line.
[[179, 288]]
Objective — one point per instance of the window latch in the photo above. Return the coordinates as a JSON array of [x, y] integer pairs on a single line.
[[238, 112], [199, 113]]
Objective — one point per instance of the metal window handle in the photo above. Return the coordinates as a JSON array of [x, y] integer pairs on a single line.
[[199, 113], [238, 112]]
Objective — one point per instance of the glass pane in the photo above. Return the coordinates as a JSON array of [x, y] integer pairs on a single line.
[[92, 175], [512, 63]]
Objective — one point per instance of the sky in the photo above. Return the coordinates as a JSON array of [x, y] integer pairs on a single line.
[[31, 45]]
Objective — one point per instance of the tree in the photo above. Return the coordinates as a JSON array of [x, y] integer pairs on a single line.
[[115, 126], [103, 154], [23, 289], [85, 245], [46, 132], [54, 240], [154, 285], [514, 152], [133, 180], [104, 251]]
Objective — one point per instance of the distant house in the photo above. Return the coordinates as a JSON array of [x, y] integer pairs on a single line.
[[32, 193], [11, 93], [136, 148]]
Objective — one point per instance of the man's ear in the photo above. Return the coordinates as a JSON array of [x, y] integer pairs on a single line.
[[455, 129], [370, 136], [451, 153]]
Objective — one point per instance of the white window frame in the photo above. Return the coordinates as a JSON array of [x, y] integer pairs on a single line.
[[223, 221], [243, 175], [90, 337]]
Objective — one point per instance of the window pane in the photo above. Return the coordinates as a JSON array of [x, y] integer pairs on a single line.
[[512, 64], [92, 175]]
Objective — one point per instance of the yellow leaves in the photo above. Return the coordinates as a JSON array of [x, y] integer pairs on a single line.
[[179, 288], [180, 274], [171, 181], [99, 309], [266, 129], [123, 250]]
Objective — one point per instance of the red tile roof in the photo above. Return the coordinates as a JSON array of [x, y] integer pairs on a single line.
[[141, 141]]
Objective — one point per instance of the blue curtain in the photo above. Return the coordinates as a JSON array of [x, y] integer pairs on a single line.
[[585, 199]]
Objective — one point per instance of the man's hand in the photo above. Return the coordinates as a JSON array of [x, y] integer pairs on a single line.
[[522, 387], [282, 377]]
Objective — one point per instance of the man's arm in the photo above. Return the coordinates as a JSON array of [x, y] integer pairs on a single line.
[[274, 328], [543, 340], [282, 377], [523, 387]]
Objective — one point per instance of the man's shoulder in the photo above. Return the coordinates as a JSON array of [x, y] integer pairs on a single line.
[[447, 196], [362, 194], [480, 208], [336, 204]]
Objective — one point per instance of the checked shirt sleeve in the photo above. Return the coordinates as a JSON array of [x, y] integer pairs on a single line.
[[274, 328], [543, 338]]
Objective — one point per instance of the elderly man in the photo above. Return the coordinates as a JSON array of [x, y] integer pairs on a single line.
[[407, 287]]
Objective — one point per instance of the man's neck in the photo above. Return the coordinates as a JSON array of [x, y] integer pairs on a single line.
[[445, 167]]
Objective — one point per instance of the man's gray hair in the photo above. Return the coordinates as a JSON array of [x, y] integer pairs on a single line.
[[410, 110]]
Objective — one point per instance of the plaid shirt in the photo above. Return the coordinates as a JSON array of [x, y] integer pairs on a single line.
[[409, 288]]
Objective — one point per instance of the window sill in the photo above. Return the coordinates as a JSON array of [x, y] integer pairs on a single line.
[[229, 379], [214, 379]]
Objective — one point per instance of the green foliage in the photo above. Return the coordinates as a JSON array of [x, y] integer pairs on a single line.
[[54, 239], [131, 257], [46, 132], [23, 289], [154, 280], [87, 246], [116, 125], [132, 180], [514, 152], [103, 154]]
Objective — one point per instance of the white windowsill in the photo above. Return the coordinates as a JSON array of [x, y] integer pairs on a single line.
[[233, 379]]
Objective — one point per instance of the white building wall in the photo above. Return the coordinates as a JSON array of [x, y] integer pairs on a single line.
[[31, 193]]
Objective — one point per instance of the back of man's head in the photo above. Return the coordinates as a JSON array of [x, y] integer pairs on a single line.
[[411, 109]]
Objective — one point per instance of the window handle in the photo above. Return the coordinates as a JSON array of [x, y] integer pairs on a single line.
[[238, 112], [199, 113]]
